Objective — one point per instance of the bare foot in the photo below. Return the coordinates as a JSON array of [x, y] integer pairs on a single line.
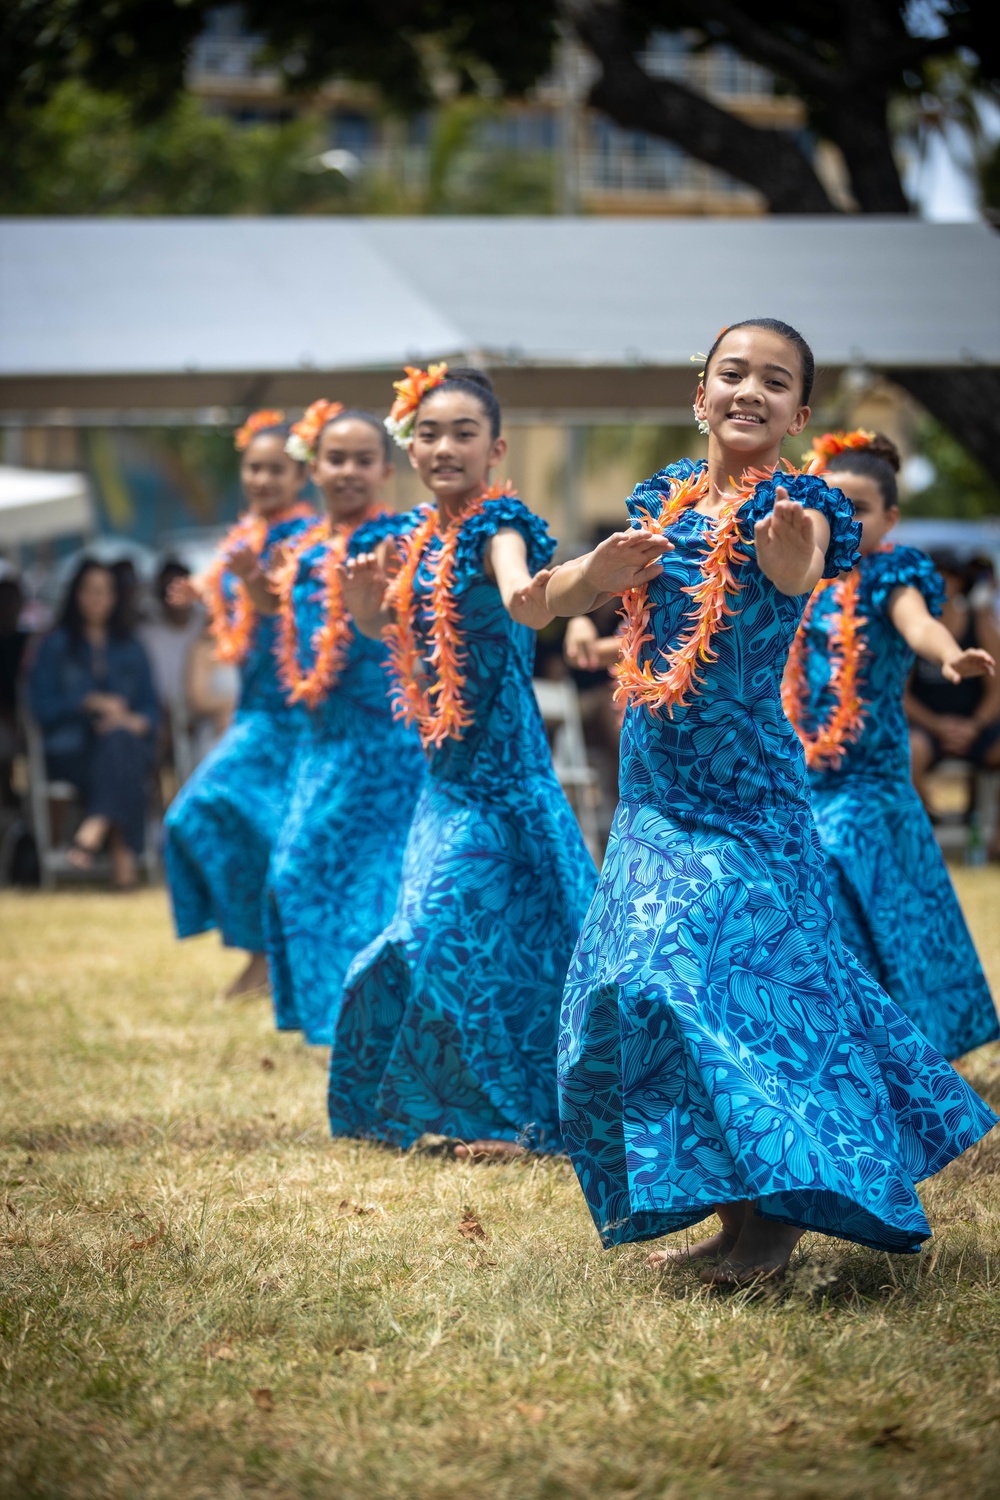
[[761, 1253], [251, 980], [714, 1248], [489, 1151]]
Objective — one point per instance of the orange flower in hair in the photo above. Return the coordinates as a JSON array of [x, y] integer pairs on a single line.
[[260, 421], [305, 432], [409, 394], [830, 444]]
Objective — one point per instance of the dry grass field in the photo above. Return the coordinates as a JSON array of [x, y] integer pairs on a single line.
[[203, 1296]]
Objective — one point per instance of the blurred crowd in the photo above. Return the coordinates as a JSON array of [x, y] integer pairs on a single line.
[[118, 694]]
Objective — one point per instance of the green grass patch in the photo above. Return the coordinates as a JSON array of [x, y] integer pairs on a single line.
[[203, 1296]]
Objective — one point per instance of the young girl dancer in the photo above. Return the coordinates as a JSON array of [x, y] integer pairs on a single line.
[[222, 825], [448, 1020], [843, 692], [335, 869], [720, 1049]]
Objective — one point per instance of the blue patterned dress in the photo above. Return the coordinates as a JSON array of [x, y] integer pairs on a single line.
[[895, 904], [223, 823], [718, 1043], [448, 1021], [357, 772]]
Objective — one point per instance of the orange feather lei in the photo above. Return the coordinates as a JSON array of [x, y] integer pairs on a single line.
[[331, 640], [825, 747], [437, 709], [640, 684], [232, 622]]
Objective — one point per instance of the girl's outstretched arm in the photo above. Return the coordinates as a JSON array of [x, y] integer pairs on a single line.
[[364, 583], [791, 546], [523, 595], [622, 561], [246, 565], [930, 639]]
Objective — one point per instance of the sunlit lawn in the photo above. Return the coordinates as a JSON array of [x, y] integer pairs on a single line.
[[205, 1296]]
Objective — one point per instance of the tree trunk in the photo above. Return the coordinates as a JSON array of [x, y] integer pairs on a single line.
[[768, 160], [967, 402]]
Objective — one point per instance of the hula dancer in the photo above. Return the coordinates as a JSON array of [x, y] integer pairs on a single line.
[[720, 1049], [357, 771], [843, 692], [448, 1020], [222, 825]]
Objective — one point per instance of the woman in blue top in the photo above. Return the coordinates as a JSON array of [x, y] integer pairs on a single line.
[[222, 825], [843, 692], [92, 694], [357, 772], [720, 1049], [448, 1020]]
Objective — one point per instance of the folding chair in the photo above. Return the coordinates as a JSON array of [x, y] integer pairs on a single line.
[[559, 705]]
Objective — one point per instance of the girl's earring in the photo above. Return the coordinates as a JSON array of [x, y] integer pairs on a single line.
[[700, 423]]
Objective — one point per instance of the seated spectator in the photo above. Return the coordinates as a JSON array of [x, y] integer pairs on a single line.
[[91, 692], [956, 719], [212, 690], [12, 643], [167, 639]]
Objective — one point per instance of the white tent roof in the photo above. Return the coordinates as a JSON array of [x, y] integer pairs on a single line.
[[36, 505], [102, 297]]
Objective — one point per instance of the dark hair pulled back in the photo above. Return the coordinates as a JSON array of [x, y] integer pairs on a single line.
[[475, 383], [878, 460], [785, 331], [357, 414]]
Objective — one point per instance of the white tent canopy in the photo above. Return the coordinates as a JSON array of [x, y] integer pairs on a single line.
[[36, 506], [188, 297]]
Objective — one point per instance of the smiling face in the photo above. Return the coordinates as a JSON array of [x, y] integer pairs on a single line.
[[870, 509], [271, 480], [751, 394], [452, 448], [349, 468]]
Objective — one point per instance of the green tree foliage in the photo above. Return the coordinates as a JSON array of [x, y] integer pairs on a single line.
[[960, 487], [85, 153]]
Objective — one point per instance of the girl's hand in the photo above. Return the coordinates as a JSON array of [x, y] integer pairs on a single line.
[[364, 584], [244, 563], [972, 663], [626, 560], [182, 592], [786, 546], [527, 604], [580, 644]]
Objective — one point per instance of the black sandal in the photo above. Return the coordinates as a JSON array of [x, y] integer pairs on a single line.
[[86, 858]]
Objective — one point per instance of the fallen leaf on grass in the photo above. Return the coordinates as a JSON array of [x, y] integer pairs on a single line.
[[784, 1427], [470, 1227], [264, 1398], [348, 1206], [267, 1063], [221, 1351], [893, 1436], [378, 1387], [145, 1244], [529, 1412]]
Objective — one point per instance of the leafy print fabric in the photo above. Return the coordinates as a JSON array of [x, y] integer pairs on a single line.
[[718, 1042]]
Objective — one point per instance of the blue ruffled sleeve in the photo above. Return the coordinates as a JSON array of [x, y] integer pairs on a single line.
[[648, 495], [497, 515], [391, 523], [902, 567], [814, 493]]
